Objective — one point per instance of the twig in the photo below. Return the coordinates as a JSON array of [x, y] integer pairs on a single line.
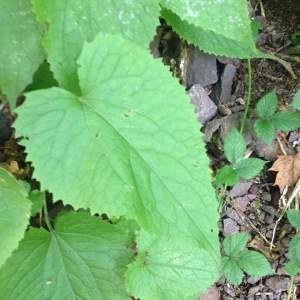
[[294, 195], [281, 146], [262, 11], [243, 217], [285, 64]]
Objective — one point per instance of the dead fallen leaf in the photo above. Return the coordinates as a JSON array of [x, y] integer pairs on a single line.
[[288, 168]]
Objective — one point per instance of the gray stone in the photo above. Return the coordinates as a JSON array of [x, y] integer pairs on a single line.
[[202, 69], [226, 82], [230, 227], [241, 188], [205, 108]]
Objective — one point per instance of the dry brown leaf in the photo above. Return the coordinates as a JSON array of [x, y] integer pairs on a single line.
[[288, 168]]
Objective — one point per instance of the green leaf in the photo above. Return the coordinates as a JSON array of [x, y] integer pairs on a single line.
[[286, 120], [254, 263], [231, 270], [129, 146], [294, 250], [249, 167], [255, 28], [21, 51], [234, 146], [291, 268], [228, 18], [265, 130], [296, 101], [170, 269], [37, 198], [84, 257], [227, 175], [235, 243], [211, 41], [14, 214], [69, 24], [267, 105], [294, 218]]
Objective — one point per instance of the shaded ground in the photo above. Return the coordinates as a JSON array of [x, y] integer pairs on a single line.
[[252, 205]]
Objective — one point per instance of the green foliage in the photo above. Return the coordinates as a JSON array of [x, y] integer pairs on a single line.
[[220, 28], [293, 266], [269, 120], [296, 101], [237, 260], [294, 49], [82, 257], [14, 213], [189, 267], [235, 148], [109, 130], [21, 51]]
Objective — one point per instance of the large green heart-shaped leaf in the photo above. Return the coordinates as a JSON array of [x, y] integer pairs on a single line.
[[129, 146], [83, 258]]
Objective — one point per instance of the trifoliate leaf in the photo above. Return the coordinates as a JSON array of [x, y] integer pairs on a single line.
[[227, 175], [21, 50], [170, 269], [84, 257], [129, 146], [14, 214], [254, 263], [69, 24], [296, 101], [294, 250], [286, 120], [235, 243], [249, 167], [265, 130], [231, 270], [234, 146], [294, 218], [267, 105], [291, 268]]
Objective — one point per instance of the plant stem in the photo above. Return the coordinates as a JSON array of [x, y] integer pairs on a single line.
[[248, 96], [47, 219], [290, 288]]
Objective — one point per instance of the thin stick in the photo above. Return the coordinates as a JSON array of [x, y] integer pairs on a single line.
[[262, 11], [294, 194]]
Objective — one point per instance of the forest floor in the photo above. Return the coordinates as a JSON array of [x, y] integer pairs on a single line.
[[256, 205]]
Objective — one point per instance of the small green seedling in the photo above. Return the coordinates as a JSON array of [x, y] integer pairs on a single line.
[[235, 148], [293, 266], [269, 120], [238, 260], [294, 49]]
